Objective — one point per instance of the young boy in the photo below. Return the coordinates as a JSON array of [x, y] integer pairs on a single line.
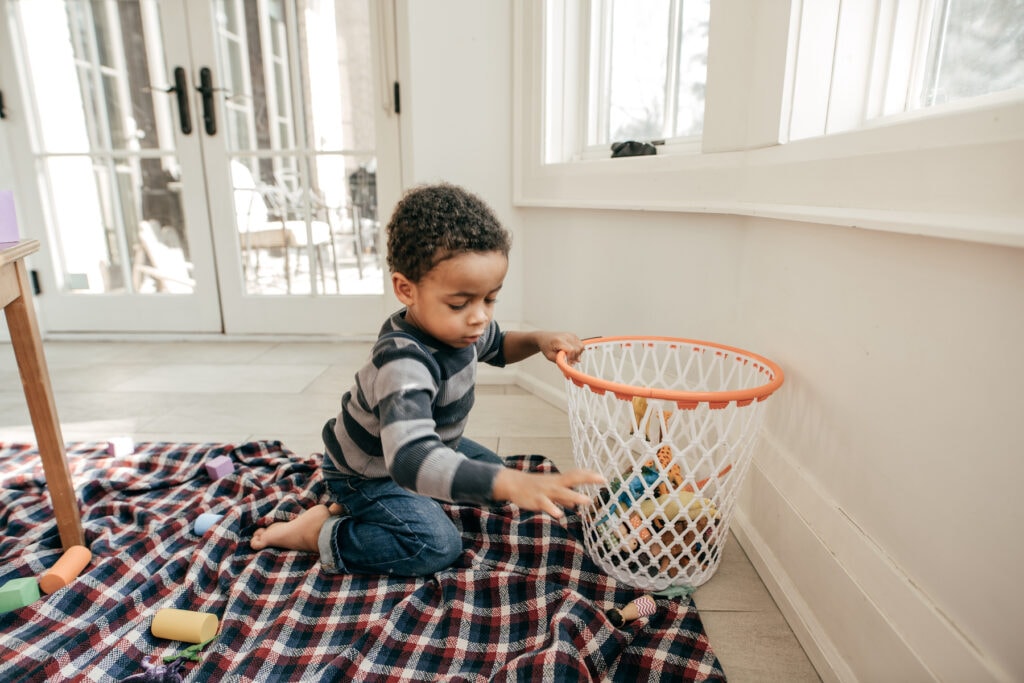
[[396, 448]]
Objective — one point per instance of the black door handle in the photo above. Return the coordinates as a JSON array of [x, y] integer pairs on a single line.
[[206, 88], [3, 112], [180, 89]]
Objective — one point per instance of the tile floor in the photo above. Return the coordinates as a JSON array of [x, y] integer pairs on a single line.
[[235, 391]]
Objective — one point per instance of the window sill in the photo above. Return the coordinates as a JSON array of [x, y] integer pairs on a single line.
[[956, 175]]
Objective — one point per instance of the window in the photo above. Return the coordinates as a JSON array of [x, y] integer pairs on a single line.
[[859, 61], [623, 70], [976, 48], [647, 69]]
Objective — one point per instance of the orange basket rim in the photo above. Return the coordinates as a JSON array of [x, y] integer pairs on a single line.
[[628, 391]]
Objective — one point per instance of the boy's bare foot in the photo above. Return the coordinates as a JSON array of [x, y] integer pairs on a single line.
[[298, 534]]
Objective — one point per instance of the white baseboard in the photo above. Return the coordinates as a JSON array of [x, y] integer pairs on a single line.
[[812, 637], [858, 616], [553, 395]]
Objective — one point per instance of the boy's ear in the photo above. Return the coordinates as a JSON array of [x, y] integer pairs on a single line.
[[405, 290]]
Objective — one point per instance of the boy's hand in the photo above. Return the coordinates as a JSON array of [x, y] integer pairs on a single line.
[[553, 342], [520, 345], [543, 492]]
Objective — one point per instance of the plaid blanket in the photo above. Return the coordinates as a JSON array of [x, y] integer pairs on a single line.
[[523, 602]]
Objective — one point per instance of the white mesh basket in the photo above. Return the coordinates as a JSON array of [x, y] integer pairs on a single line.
[[670, 423]]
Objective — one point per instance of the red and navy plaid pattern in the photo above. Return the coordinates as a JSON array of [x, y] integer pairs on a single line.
[[524, 602]]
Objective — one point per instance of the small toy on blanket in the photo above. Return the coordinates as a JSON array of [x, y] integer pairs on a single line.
[[170, 671], [18, 593], [66, 570], [120, 446], [205, 521], [644, 606], [152, 672], [184, 625], [220, 466]]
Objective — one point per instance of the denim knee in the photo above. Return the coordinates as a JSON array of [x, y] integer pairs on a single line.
[[439, 551]]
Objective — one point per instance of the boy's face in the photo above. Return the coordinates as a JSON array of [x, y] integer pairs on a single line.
[[454, 302]]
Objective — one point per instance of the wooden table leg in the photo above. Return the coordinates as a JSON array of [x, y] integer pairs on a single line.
[[28, 350]]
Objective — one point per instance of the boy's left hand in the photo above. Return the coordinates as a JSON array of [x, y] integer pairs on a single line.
[[553, 342]]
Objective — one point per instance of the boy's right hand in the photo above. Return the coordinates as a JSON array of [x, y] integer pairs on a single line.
[[543, 492]]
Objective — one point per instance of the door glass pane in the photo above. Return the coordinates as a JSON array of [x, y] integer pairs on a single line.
[[104, 141], [296, 238], [301, 143]]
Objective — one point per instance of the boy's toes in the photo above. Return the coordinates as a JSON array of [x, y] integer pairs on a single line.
[[257, 542]]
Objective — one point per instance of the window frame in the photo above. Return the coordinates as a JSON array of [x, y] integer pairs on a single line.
[[949, 171]]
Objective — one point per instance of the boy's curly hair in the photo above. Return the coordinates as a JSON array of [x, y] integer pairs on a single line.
[[433, 223]]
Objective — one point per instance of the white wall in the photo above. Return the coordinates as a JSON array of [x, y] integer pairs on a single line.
[[457, 111], [6, 183], [882, 506]]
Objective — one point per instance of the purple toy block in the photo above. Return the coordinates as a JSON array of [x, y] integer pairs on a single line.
[[219, 466]]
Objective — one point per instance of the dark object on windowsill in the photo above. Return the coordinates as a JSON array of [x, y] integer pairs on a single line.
[[633, 148]]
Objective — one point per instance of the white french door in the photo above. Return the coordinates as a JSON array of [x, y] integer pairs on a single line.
[[203, 166]]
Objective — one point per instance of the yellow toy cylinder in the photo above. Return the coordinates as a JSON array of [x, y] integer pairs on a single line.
[[184, 625]]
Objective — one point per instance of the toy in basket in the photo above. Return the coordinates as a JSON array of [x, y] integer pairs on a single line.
[[671, 424]]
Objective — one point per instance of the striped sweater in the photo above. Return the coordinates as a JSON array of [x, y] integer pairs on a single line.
[[405, 415]]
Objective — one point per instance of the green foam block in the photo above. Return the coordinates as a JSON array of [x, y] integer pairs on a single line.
[[18, 593]]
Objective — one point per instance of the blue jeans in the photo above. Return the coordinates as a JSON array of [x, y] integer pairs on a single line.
[[389, 530]]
